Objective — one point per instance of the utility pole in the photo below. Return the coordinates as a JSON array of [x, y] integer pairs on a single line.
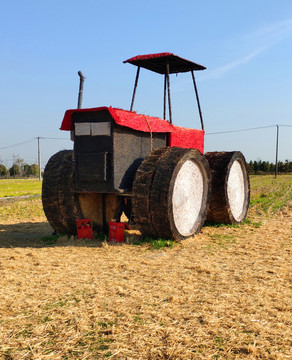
[[39, 158], [277, 149]]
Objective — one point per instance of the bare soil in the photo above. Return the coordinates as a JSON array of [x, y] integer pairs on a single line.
[[225, 294]]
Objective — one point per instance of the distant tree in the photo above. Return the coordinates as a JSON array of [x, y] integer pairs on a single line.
[[19, 162], [3, 171], [27, 170], [34, 169], [288, 166], [264, 166], [250, 168], [14, 170], [281, 167], [272, 168], [256, 167]]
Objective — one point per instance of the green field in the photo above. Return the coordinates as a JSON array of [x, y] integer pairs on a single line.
[[270, 194], [267, 196], [19, 187], [267, 193]]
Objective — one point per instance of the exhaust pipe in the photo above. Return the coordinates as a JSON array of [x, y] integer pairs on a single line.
[[80, 95]]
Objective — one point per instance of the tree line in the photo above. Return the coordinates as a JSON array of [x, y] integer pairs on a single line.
[[259, 167], [265, 167], [19, 169]]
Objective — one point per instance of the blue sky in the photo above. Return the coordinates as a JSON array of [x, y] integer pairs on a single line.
[[245, 45]]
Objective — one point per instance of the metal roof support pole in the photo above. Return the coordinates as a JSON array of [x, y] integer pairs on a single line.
[[168, 88], [135, 88], [164, 99], [198, 101]]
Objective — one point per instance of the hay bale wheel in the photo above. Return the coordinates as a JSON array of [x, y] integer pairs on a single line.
[[174, 201], [141, 217], [63, 206], [60, 204], [230, 187]]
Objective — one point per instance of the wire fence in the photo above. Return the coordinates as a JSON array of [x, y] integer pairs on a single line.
[[35, 150], [248, 129], [267, 143]]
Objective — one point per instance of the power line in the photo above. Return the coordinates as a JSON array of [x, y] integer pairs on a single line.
[[255, 128], [232, 131], [50, 138], [215, 133], [30, 140], [21, 143]]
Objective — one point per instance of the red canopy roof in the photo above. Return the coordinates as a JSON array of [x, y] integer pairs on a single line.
[[157, 63]]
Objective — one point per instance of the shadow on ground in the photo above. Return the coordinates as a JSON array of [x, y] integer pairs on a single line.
[[24, 234], [39, 235]]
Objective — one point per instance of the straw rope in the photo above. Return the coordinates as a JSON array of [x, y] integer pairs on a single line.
[[151, 136]]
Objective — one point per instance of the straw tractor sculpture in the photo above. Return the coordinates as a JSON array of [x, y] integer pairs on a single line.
[[154, 172]]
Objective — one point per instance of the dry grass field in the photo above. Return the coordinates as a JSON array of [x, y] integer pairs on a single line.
[[224, 294]]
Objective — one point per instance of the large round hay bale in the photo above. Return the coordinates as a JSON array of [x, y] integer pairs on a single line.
[[63, 206], [175, 201], [230, 187]]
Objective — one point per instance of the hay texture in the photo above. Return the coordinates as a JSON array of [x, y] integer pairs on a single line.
[[225, 294]]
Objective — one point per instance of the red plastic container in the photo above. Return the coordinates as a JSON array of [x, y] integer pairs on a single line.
[[84, 229], [116, 231]]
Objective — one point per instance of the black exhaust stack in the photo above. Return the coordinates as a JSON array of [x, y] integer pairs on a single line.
[[80, 95]]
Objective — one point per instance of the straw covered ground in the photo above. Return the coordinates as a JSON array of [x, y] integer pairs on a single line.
[[225, 294]]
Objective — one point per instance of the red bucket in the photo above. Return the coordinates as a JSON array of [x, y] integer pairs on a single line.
[[84, 229], [117, 231]]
